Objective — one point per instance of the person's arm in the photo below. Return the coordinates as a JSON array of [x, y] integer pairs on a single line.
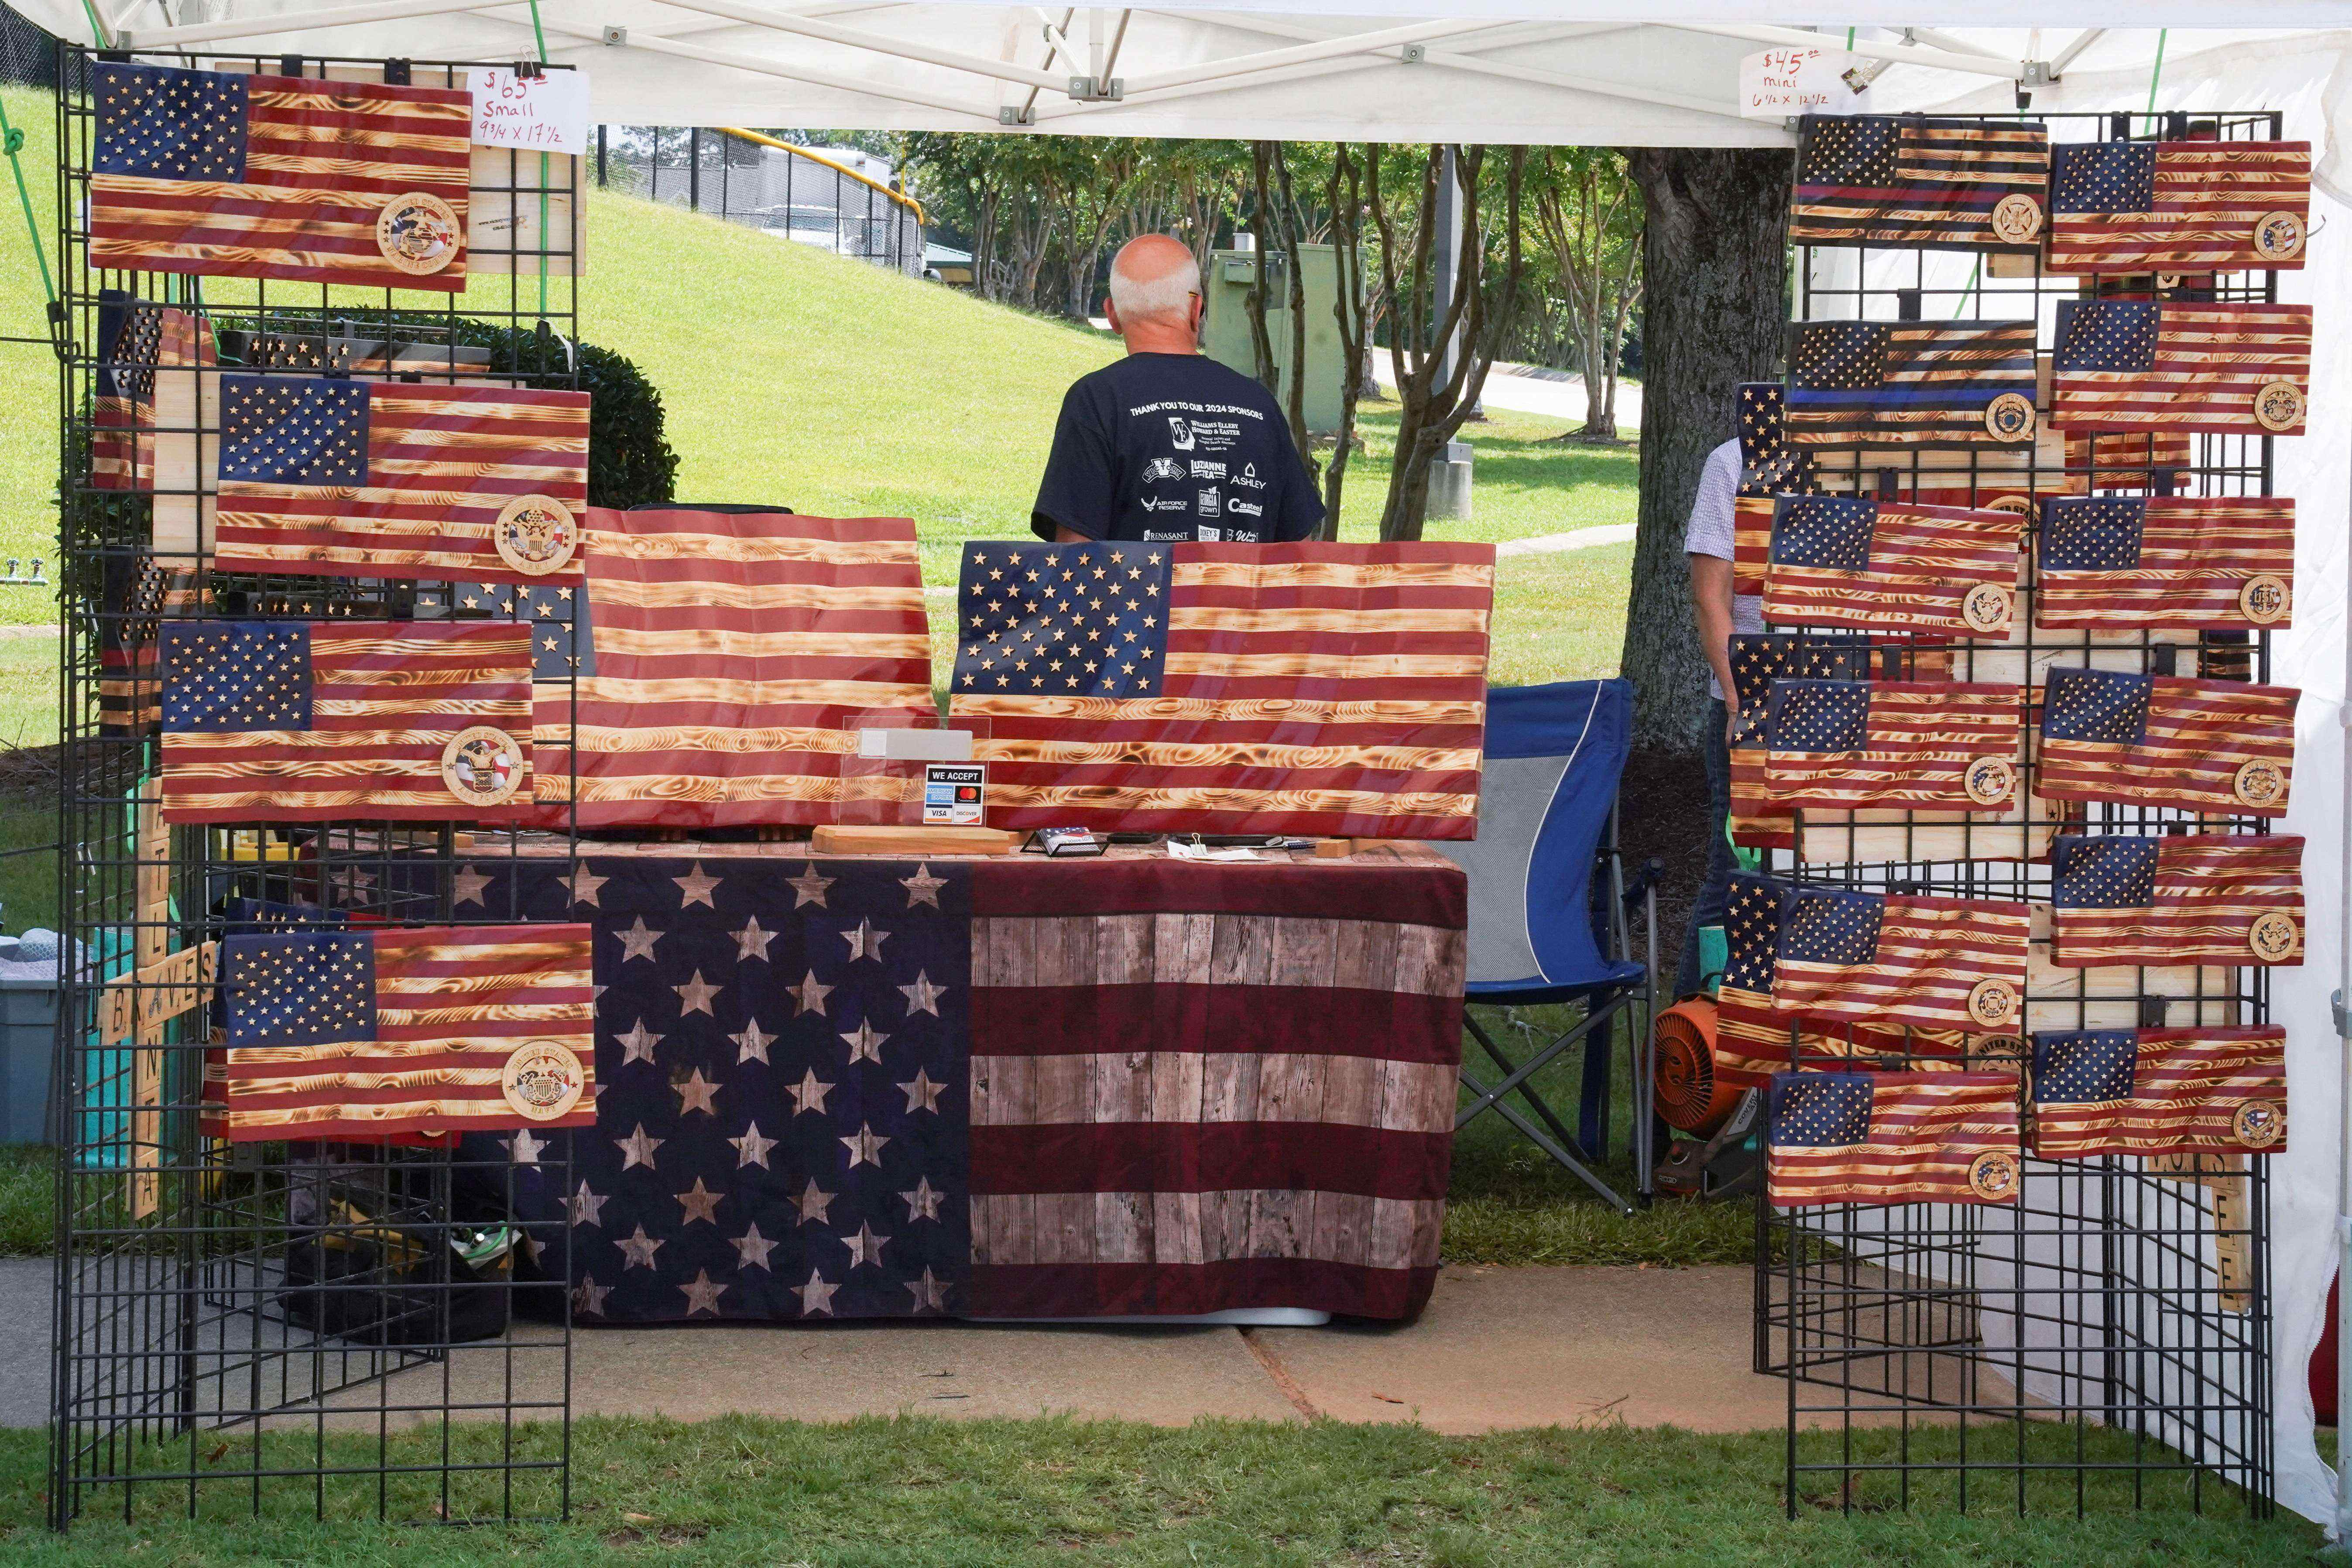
[[1710, 578], [1064, 534]]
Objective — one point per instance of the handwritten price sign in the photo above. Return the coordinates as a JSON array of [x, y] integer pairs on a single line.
[[1779, 84], [545, 113]]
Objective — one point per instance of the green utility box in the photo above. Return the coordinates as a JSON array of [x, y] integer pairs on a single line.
[[1225, 329]]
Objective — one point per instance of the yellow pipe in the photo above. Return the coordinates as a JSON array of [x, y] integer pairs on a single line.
[[901, 198]]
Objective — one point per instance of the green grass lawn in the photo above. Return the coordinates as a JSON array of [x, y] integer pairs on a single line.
[[1005, 1494]]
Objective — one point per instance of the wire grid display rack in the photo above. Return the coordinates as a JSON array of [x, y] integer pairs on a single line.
[[2103, 1343], [299, 1327]]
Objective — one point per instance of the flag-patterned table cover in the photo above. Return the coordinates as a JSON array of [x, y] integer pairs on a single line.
[[849, 1087]]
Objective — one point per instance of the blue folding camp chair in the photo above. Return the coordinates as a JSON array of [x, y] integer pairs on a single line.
[[1551, 910]]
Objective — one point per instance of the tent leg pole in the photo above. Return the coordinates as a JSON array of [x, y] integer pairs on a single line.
[[2340, 1530]]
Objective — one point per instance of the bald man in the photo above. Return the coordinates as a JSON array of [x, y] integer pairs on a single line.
[[1166, 445]]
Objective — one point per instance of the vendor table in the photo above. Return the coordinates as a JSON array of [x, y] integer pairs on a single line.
[[849, 1086]]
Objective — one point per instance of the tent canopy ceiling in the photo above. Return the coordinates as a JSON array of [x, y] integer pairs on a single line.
[[1554, 71]]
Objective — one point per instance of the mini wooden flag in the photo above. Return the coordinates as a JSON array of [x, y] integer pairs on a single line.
[[1902, 180], [1929, 744], [2158, 1091], [2169, 740], [2141, 364], [2201, 897], [2146, 206], [1893, 1137], [1843, 561], [2209, 562], [1902, 961], [1911, 384]]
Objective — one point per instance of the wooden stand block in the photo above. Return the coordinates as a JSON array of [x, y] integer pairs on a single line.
[[847, 839]]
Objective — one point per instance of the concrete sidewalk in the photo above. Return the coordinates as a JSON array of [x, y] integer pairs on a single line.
[[1497, 1348]]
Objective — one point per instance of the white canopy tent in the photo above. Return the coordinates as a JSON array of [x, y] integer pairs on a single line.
[[1545, 71]]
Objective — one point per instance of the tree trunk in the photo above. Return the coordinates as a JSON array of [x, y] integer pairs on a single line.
[[1715, 283]]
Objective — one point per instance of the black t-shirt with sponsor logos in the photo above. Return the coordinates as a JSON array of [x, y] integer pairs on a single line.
[[1174, 446]]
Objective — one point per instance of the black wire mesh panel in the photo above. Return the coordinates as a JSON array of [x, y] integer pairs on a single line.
[[346, 1329], [2105, 1341]]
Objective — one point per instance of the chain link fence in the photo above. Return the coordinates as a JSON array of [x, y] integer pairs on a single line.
[[837, 199]]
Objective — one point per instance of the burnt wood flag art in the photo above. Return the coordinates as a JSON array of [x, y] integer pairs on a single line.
[[327, 720], [1768, 467], [2173, 206], [1902, 180], [1898, 959], [138, 342], [2158, 1091], [717, 666], [1325, 689], [426, 1031], [2208, 562], [1912, 384], [2201, 898], [303, 179], [338, 477], [1846, 561], [2143, 364], [2216, 747], [1934, 745], [1757, 659], [1893, 1137]]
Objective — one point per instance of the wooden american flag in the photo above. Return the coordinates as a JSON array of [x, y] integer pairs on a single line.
[[2120, 562], [353, 1035], [1768, 467], [2158, 1091], [137, 591], [2143, 460], [1899, 960], [1325, 689], [1845, 561], [1900, 180], [1757, 659], [2140, 206], [269, 176], [1935, 745], [2140, 364], [338, 476], [1756, 1037], [137, 340], [1905, 383], [2180, 898], [326, 720], [1892, 1138], [725, 662], [2167, 741]]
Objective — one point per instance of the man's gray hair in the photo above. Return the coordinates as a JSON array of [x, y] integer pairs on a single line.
[[1168, 297]]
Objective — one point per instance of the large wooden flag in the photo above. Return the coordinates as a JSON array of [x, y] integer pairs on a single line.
[[1935, 745], [1901, 180], [329, 721], [1757, 659], [2205, 898], [2158, 1091], [1843, 561], [1911, 384], [2215, 563], [1893, 1137], [1768, 467], [1333, 689], [2169, 740], [355, 1035], [231, 176], [1899, 960], [724, 663], [2139, 364], [2147, 206], [335, 476]]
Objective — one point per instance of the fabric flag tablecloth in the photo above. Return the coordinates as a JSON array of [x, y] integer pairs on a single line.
[[841, 1088]]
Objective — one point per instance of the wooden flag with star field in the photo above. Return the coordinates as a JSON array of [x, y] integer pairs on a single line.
[[1759, 659], [2158, 1091], [1324, 689], [1892, 1138], [1912, 384], [1901, 959], [1846, 561], [138, 342], [2217, 563], [865, 1088], [350, 1034], [1768, 467], [2220, 746], [338, 477], [1902, 180], [329, 721], [231, 176], [1933, 745], [724, 663], [2174, 207], [2141, 364], [2203, 898]]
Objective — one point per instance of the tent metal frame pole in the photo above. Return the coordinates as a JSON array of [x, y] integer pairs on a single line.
[[2074, 50], [1234, 66], [285, 21], [877, 43], [2340, 1527], [984, 115]]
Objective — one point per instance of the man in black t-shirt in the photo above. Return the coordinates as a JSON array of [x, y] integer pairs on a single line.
[[1168, 445]]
